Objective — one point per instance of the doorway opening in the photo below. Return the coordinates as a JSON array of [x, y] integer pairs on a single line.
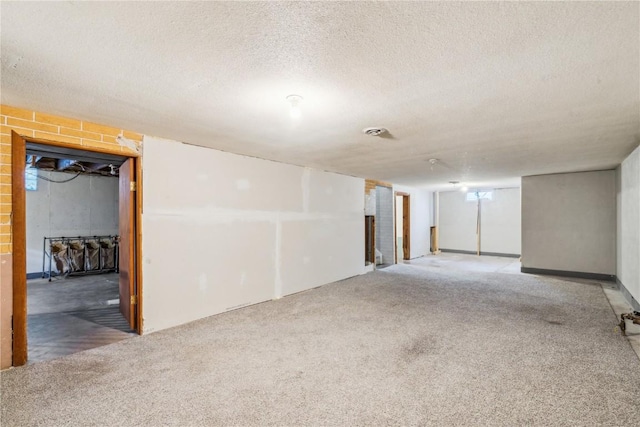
[[402, 229], [76, 284]]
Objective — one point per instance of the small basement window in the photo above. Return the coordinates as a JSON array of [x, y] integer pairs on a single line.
[[30, 178], [473, 196]]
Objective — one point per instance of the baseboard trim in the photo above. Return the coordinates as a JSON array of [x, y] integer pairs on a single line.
[[634, 302], [458, 251], [500, 254], [39, 275], [565, 273]]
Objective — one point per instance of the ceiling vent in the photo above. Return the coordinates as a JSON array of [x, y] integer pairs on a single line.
[[374, 131]]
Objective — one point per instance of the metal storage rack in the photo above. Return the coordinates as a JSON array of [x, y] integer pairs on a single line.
[[81, 255]]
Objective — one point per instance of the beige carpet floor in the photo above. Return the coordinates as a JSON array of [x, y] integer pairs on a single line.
[[402, 346]]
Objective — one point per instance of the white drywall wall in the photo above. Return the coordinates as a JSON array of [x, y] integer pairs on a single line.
[[458, 222], [85, 206], [500, 222], [628, 230], [420, 202], [569, 222], [222, 231]]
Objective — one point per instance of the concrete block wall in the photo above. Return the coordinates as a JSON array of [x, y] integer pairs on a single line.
[[499, 227], [458, 221], [371, 184], [85, 206], [384, 224]]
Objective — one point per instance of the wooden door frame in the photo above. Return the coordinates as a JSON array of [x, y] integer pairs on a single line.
[[406, 225], [19, 233]]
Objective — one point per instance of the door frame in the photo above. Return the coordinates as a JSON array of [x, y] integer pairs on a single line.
[[19, 232], [406, 225]]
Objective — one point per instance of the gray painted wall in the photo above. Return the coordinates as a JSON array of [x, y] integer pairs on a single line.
[[569, 222], [500, 222], [384, 224], [628, 230], [88, 205]]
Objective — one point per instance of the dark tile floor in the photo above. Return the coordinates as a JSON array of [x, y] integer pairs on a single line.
[[73, 314]]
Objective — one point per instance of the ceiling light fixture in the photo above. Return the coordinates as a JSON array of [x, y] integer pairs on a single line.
[[294, 110], [375, 131]]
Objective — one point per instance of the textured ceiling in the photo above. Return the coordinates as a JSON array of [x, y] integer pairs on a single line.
[[494, 90]]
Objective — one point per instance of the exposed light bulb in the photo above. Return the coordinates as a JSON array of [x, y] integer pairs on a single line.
[[295, 111], [464, 188]]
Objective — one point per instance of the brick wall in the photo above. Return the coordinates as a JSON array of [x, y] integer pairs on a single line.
[[371, 184], [49, 127]]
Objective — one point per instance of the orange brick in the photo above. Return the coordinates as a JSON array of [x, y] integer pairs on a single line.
[[57, 137], [98, 144], [132, 135], [5, 198], [5, 229], [11, 122], [94, 127], [58, 121], [5, 159], [5, 149], [5, 189], [5, 179], [5, 238], [5, 219], [19, 113], [5, 139], [20, 131], [80, 133], [5, 169], [5, 248], [110, 139]]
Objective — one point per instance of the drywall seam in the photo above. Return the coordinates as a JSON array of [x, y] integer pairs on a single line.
[[258, 230], [223, 215]]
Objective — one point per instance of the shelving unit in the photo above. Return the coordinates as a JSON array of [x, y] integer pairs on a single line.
[[80, 255]]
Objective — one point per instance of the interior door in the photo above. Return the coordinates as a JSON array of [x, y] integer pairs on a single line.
[[126, 249], [398, 228], [406, 227]]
